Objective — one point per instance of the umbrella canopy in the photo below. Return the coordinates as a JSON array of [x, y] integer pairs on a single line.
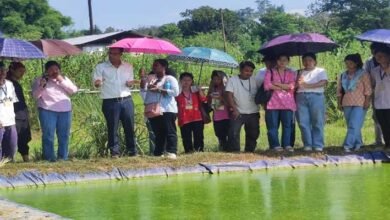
[[146, 45], [54, 48], [298, 44], [377, 35], [205, 55], [19, 49]]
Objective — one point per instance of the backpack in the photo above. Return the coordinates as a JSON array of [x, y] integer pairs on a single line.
[[262, 97]]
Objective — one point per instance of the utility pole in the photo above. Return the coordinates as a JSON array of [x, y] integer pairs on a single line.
[[91, 31], [223, 31]]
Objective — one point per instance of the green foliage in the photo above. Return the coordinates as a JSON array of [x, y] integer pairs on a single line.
[[360, 15], [169, 31], [31, 19]]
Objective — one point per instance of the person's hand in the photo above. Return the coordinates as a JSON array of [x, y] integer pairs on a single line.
[[42, 82], [98, 83], [366, 104], [301, 83], [142, 73], [59, 78], [129, 83], [235, 113]]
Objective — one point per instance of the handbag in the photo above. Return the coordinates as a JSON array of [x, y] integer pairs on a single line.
[[153, 110], [262, 97], [205, 110]]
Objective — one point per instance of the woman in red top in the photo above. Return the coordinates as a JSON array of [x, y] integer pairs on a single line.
[[189, 115]]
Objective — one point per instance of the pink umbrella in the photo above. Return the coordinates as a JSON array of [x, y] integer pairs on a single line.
[[146, 45]]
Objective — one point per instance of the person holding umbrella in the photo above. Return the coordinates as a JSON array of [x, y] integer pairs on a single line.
[[8, 134], [311, 103], [281, 106], [381, 82], [369, 66], [15, 73], [354, 97]]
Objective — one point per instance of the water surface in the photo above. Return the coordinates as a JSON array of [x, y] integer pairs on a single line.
[[353, 192]]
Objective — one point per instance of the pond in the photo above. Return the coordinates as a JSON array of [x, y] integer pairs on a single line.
[[348, 192]]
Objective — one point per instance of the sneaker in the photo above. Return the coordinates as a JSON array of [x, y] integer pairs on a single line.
[[114, 156], [318, 149], [278, 149], [289, 149], [171, 156], [347, 149], [307, 149], [356, 148]]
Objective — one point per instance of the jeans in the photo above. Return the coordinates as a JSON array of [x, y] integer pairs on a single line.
[[24, 135], [354, 116], [8, 142], [51, 123], [272, 119], [192, 136], [115, 110], [164, 129], [252, 131], [383, 116], [221, 130], [311, 118]]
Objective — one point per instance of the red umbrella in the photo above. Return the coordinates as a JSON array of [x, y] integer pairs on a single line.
[[54, 48]]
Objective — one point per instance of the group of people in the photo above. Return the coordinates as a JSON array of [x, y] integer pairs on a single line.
[[292, 96]]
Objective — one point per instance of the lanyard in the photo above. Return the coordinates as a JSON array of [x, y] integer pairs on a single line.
[[189, 98], [284, 78], [382, 75], [4, 89], [242, 84]]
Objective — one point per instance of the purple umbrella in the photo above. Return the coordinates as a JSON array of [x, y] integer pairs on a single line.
[[377, 35], [297, 44], [19, 49]]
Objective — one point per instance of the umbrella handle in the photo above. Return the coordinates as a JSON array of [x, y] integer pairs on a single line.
[[200, 73]]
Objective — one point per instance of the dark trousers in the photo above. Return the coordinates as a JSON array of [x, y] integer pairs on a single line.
[[383, 117], [252, 131], [192, 136], [115, 110], [221, 130], [8, 142], [164, 129], [152, 137], [24, 135]]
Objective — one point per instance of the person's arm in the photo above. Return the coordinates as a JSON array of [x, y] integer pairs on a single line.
[[67, 85], [38, 87], [339, 93], [232, 104], [323, 81], [367, 91], [268, 85], [98, 77]]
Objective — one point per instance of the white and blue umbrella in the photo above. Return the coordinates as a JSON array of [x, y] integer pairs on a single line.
[[19, 49], [376, 35], [204, 55]]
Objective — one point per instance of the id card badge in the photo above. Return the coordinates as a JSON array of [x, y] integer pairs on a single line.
[[381, 87], [189, 106], [8, 103]]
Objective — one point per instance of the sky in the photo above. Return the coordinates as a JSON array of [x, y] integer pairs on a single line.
[[130, 14]]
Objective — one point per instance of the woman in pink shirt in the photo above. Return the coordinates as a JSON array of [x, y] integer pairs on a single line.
[[217, 102], [281, 106], [52, 91]]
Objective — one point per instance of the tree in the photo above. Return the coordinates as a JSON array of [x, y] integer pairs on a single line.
[[31, 19], [169, 31], [359, 15], [206, 19]]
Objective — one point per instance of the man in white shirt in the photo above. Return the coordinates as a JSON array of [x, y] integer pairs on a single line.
[[240, 94], [8, 134], [115, 78]]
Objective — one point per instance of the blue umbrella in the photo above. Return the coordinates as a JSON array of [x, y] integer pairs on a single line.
[[204, 55], [19, 49], [376, 35]]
